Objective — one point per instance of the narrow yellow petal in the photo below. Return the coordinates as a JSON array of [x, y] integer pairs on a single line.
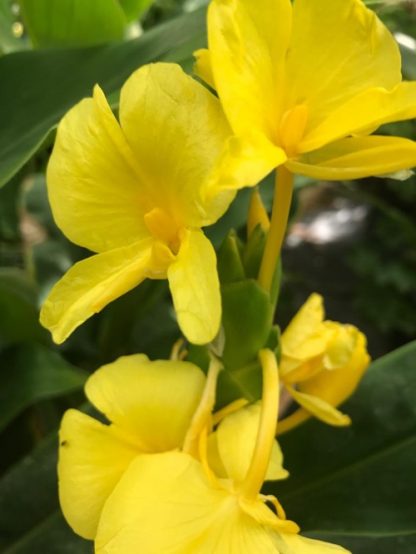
[[94, 190], [356, 158], [367, 110], [338, 49], [151, 401], [92, 284], [319, 408], [301, 545], [177, 131], [247, 43], [195, 288], [92, 459]]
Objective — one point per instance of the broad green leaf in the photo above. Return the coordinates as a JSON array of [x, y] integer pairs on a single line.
[[359, 481], [19, 319], [133, 9], [60, 78], [30, 519], [60, 23], [30, 373]]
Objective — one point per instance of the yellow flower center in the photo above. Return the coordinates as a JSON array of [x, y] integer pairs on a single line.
[[292, 128], [164, 228]]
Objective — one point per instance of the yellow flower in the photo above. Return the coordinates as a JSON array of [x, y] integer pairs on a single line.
[[322, 364], [136, 192], [305, 85], [150, 406], [170, 501]]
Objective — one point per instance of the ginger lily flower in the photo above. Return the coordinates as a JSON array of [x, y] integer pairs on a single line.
[[171, 502], [321, 366], [305, 85], [150, 406], [136, 192]]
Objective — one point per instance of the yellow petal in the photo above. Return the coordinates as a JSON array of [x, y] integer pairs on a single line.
[[368, 110], [357, 157], [304, 341], [336, 385], [151, 401], [338, 49], [94, 190], [165, 504], [92, 284], [247, 43], [177, 131], [231, 446], [245, 161], [92, 458], [203, 67], [319, 408], [195, 288]]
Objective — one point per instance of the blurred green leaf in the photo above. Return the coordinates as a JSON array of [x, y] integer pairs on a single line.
[[60, 23], [133, 9], [31, 372], [18, 309], [60, 78], [359, 481], [8, 42], [30, 519]]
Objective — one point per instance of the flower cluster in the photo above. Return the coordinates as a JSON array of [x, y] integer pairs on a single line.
[[300, 87]]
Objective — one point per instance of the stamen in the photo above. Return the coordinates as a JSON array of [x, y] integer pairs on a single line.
[[265, 436], [202, 416], [228, 410], [178, 352], [203, 457]]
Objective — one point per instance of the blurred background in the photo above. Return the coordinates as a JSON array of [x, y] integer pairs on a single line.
[[354, 242]]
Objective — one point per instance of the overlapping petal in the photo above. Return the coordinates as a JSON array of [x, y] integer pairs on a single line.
[[338, 49], [248, 43], [92, 284], [232, 445], [177, 131], [194, 283], [94, 188], [367, 110], [151, 401], [357, 157], [165, 503], [92, 458]]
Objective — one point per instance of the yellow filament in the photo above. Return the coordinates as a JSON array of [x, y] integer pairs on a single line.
[[265, 437], [203, 457], [230, 409], [178, 353], [203, 412], [281, 207]]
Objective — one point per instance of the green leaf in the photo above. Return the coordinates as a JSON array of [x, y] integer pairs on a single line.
[[19, 319], [60, 78], [30, 518], [230, 265], [359, 481], [60, 23], [133, 9], [31, 373]]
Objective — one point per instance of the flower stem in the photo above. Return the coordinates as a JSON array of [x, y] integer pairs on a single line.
[[280, 214], [265, 436]]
